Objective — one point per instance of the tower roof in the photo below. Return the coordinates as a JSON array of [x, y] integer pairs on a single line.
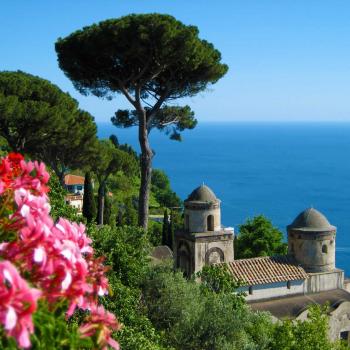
[[202, 194], [311, 220]]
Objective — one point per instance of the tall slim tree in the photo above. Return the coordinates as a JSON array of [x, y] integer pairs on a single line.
[[39, 119], [89, 204], [109, 160], [152, 60], [107, 210]]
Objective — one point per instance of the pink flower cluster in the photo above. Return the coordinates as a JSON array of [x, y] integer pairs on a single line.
[[58, 257]]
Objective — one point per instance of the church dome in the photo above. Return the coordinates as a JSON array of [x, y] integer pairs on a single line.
[[311, 220], [202, 194]]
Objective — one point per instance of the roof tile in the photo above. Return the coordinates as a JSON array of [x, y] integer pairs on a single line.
[[268, 269], [70, 179]]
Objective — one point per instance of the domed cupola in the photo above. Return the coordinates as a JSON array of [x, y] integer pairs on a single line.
[[202, 211], [202, 194], [311, 220], [311, 240]]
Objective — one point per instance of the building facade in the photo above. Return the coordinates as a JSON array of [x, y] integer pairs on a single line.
[[283, 285], [203, 240]]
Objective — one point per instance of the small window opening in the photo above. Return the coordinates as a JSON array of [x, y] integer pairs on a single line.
[[210, 223], [292, 248], [250, 290], [288, 285], [187, 222], [324, 249]]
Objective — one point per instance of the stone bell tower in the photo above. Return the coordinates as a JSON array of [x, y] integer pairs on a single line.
[[203, 241], [311, 241]]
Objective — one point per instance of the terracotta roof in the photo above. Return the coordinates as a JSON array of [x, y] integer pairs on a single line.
[[268, 269], [70, 179]]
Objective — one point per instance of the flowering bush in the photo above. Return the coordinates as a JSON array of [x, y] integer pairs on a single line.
[[45, 261]]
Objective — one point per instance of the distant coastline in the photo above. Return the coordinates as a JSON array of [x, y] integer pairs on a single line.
[[275, 169]]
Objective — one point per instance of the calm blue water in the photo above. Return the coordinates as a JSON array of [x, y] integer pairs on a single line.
[[272, 169]]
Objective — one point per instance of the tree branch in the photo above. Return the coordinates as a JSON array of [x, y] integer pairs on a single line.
[[176, 119], [126, 93]]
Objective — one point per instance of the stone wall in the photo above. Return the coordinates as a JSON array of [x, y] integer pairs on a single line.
[[273, 290], [213, 248], [315, 251], [318, 282], [197, 219]]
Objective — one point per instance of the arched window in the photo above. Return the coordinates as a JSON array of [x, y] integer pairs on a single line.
[[288, 285], [184, 259], [324, 249], [250, 290], [210, 223]]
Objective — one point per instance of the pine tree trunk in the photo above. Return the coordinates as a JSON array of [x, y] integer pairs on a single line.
[[165, 228], [61, 175], [146, 170], [89, 205], [101, 202]]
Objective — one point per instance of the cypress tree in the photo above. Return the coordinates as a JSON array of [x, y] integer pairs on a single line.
[[89, 205], [165, 231], [107, 210]]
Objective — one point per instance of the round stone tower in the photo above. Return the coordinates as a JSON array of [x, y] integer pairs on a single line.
[[311, 241], [202, 211], [202, 241]]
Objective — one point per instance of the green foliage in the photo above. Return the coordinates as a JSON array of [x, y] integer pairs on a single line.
[[89, 203], [127, 213], [52, 332], [109, 160], [59, 207], [217, 279], [165, 228], [124, 147], [305, 335], [162, 190], [198, 319], [39, 119], [99, 60], [126, 250], [258, 237], [107, 210], [155, 231]]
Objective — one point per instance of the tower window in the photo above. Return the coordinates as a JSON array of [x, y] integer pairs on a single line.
[[210, 223], [250, 290], [187, 222], [324, 249], [292, 248]]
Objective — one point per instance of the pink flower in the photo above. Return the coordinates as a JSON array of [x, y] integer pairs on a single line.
[[17, 304], [57, 258], [100, 324]]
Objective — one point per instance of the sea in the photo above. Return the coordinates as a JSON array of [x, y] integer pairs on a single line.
[[274, 169]]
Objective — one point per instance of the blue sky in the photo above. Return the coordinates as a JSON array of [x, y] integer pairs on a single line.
[[289, 60]]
